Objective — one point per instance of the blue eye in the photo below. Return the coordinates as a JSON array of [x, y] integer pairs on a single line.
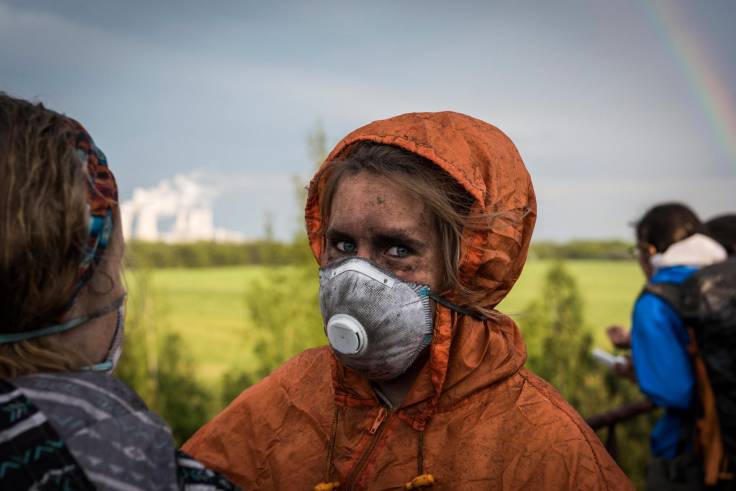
[[345, 246], [398, 251]]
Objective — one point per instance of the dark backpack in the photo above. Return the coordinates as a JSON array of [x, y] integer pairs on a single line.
[[706, 302]]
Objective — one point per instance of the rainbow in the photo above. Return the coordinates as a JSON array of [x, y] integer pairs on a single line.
[[691, 53]]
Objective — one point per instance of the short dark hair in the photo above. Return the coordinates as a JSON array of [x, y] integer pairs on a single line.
[[723, 230], [665, 224]]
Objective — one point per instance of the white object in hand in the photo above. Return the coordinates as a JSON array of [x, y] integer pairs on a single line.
[[608, 359]]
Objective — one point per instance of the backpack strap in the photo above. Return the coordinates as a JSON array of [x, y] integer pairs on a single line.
[[670, 293], [708, 437], [708, 427], [32, 454]]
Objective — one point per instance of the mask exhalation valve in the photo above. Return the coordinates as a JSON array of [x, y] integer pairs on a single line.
[[346, 334]]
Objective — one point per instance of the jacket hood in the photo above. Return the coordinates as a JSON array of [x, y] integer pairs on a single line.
[[466, 354], [698, 250], [485, 162]]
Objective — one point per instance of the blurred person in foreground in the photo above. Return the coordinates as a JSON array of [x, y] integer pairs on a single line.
[[671, 246], [723, 230], [65, 422], [421, 225]]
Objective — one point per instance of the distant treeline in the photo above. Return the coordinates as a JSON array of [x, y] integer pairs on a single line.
[[582, 249], [276, 253], [213, 254]]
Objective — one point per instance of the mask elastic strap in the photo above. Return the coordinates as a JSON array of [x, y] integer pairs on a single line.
[[455, 307], [105, 366], [66, 326]]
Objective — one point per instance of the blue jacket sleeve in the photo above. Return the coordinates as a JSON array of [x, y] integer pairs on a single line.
[[659, 350]]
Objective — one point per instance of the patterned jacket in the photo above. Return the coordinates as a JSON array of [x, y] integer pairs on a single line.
[[89, 430]]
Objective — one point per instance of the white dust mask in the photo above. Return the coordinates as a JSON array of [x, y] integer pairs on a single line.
[[116, 346], [376, 323]]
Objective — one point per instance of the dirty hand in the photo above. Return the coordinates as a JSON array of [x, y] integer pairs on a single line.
[[620, 337], [625, 370]]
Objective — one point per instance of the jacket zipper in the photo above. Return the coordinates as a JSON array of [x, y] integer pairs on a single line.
[[376, 430]]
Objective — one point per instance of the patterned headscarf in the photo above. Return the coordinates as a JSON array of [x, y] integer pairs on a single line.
[[102, 196]]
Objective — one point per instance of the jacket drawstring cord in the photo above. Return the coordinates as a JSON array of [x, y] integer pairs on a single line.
[[422, 480], [329, 484]]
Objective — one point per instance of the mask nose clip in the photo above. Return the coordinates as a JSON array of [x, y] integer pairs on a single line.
[[347, 335]]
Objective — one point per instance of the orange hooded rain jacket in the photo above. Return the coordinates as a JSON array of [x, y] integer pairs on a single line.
[[474, 419]]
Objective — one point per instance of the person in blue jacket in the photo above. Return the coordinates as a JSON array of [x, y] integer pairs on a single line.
[[671, 246]]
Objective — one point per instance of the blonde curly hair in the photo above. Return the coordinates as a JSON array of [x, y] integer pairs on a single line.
[[43, 228]]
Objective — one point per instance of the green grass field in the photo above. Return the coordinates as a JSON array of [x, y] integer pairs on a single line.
[[608, 288], [207, 306]]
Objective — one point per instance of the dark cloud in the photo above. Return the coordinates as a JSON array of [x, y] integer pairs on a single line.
[[588, 91]]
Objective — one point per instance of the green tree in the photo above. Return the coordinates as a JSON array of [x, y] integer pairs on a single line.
[[181, 400], [138, 358], [317, 151], [284, 307], [156, 364], [559, 345]]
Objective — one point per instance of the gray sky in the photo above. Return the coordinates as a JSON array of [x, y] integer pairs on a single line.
[[607, 109]]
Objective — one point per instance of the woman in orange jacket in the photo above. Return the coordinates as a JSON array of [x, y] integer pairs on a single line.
[[421, 225]]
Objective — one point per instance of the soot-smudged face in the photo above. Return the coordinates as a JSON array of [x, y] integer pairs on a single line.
[[373, 218]]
